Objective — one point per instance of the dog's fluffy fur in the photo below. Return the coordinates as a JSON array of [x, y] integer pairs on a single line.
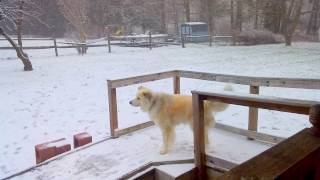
[[167, 111]]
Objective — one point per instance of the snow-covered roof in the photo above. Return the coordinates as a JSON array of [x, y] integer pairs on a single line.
[[195, 23]]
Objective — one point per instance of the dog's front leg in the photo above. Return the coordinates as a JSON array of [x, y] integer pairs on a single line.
[[168, 138]]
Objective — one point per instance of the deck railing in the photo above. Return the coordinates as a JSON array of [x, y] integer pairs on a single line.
[[253, 82], [295, 158]]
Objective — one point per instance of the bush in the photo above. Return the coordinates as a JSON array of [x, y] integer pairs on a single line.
[[254, 37]]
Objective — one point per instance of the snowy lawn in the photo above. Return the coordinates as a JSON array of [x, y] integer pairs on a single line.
[[66, 95]]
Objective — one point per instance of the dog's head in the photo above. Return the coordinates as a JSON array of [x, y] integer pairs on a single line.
[[143, 99]]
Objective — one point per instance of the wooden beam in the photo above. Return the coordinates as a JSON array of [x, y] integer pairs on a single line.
[[141, 79], [258, 101], [254, 81], [120, 132], [280, 159], [253, 112], [113, 112], [251, 134], [176, 85], [198, 134], [215, 162]]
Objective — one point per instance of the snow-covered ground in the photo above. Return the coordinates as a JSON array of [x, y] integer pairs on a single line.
[[66, 95]]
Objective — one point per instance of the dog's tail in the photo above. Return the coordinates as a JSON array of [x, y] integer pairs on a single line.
[[218, 106]]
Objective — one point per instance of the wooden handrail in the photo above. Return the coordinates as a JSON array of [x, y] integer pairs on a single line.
[[290, 153], [258, 101]]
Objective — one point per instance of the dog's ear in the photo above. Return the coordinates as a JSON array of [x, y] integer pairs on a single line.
[[141, 87], [147, 94]]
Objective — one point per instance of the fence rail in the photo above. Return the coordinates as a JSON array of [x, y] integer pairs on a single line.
[[130, 41], [253, 82]]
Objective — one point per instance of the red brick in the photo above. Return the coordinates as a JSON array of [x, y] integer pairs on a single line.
[[63, 148], [50, 149], [81, 139]]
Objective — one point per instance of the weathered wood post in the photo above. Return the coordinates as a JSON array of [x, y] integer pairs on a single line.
[[182, 40], [198, 135], [176, 84], [113, 114], [150, 41], [253, 112], [314, 118], [109, 41], [55, 47]]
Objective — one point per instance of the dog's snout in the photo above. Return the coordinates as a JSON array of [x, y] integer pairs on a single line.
[[130, 102]]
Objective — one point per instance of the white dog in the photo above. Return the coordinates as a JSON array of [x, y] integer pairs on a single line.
[[167, 111]]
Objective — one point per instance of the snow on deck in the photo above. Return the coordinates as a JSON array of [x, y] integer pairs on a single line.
[[67, 95], [116, 157]]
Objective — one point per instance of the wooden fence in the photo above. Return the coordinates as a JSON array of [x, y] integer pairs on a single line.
[[253, 82], [296, 157], [148, 42]]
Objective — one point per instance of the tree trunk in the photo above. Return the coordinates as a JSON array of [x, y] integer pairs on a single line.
[[291, 20], [313, 20], [239, 15], [163, 17], [19, 23], [256, 14], [186, 4], [21, 55], [175, 14]]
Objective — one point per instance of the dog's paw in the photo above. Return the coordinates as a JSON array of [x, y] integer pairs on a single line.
[[163, 151]]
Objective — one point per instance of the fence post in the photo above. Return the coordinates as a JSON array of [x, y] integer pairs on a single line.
[[55, 47], [182, 41], [109, 44], [150, 41], [253, 112], [198, 136], [113, 114], [176, 85], [210, 39], [314, 118]]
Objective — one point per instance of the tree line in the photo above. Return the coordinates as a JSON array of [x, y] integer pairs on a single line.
[[83, 19]]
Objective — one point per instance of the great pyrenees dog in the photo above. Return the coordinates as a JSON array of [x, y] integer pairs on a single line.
[[168, 111]]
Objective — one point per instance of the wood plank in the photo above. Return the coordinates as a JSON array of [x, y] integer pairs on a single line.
[[141, 79], [218, 163], [113, 112], [251, 134], [176, 85], [258, 101], [253, 112], [121, 132], [302, 83], [274, 162], [198, 135]]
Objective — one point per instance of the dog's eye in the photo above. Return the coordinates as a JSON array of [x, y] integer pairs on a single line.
[[138, 98]]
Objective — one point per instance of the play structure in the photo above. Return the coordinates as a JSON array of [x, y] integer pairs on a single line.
[[295, 157]]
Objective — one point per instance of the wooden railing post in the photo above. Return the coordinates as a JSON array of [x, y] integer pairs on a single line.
[[55, 47], [176, 85], [198, 135], [109, 43], [314, 119], [182, 40], [150, 41], [253, 112], [113, 114]]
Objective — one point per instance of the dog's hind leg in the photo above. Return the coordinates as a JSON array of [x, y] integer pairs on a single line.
[[209, 122], [168, 136]]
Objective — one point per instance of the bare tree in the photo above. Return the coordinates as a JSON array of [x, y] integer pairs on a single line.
[[313, 24], [291, 19], [76, 13], [186, 4], [12, 13]]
